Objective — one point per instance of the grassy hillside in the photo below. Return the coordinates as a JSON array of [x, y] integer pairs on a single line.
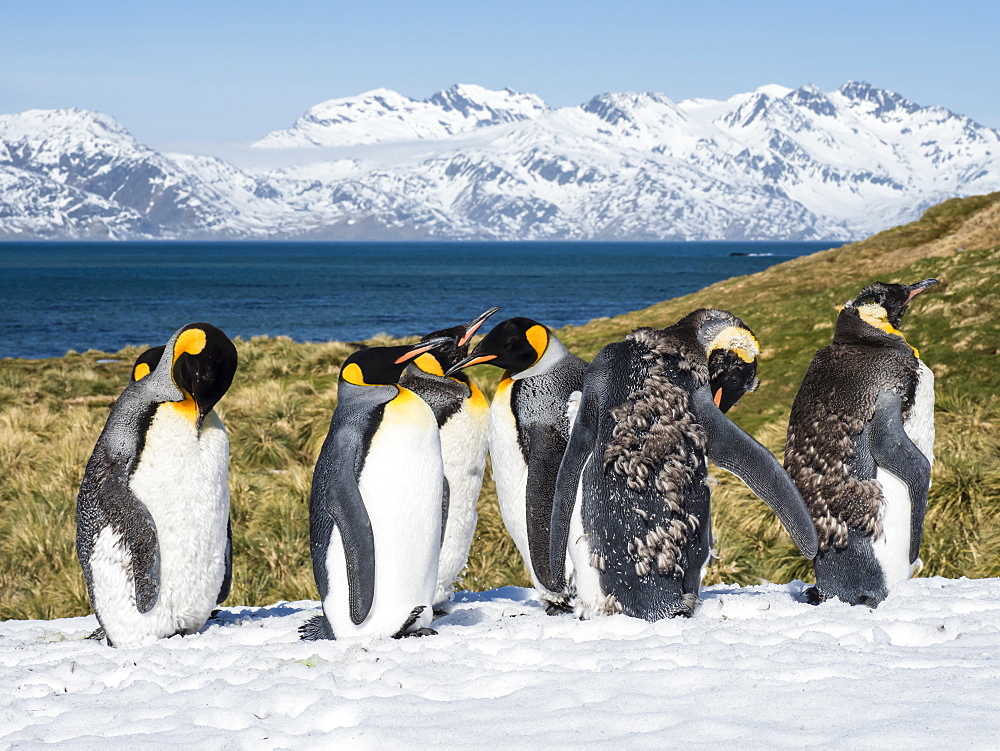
[[278, 411]]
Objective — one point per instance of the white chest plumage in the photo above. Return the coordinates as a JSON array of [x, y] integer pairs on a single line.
[[182, 479], [586, 578], [510, 471], [892, 548], [463, 450], [401, 485]]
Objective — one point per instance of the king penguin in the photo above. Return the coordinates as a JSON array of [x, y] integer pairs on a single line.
[[153, 532], [462, 412], [860, 447], [632, 497], [528, 428], [375, 506]]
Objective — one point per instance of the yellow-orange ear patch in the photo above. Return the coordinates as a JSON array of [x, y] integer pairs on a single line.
[[191, 342], [538, 338], [140, 372], [429, 364], [875, 315], [353, 374]]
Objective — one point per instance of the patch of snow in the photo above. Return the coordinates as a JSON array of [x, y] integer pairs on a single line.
[[754, 667]]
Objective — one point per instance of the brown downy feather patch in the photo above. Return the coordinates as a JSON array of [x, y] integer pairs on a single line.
[[824, 476], [654, 432]]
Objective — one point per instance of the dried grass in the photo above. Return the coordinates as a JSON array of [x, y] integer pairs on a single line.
[[278, 413]]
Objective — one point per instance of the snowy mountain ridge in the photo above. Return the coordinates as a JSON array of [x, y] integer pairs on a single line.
[[471, 163]]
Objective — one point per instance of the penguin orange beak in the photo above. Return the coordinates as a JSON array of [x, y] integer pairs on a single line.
[[421, 348], [474, 326], [916, 289], [468, 362]]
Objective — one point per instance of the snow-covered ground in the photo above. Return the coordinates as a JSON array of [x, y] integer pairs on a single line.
[[753, 668]]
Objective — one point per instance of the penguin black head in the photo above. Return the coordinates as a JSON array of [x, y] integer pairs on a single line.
[[730, 377], [454, 346], [882, 305], [146, 363], [515, 345], [203, 364], [383, 366], [732, 360]]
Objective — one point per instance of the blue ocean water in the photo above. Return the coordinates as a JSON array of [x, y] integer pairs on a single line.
[[60, 296]]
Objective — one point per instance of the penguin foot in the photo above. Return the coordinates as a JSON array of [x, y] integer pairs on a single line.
[[98, 635], [410, 620], [558, 608], [418, 632], [315, 629], [814, 596]]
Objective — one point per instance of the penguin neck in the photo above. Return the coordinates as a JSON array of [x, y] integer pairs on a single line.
[[555, 351], [416, 372], [852, 329]]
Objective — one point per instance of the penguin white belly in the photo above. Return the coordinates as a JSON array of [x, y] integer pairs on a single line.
[[920, 425], [586, 580], [892, 549], [463, 450], [182, 479], [400, 483], [510, 472]]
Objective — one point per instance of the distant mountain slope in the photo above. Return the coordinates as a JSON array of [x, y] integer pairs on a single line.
[[471, 163]]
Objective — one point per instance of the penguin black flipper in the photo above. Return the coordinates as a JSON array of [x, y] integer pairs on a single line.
[[737, 452], [336, 502], [893, 450], [582, 438], [544, 442], [128, 516], [227, 577], [445, 504]]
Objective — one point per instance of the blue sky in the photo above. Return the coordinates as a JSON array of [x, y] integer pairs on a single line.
[[181, 74]]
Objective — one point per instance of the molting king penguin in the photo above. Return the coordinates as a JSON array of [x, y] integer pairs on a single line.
[[632, 498], [528, 428], [860, 447], [153, 532], [462, 412], [375, 506]]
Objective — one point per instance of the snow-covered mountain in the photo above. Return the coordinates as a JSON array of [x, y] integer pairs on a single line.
[[470, 163], [382, 115]]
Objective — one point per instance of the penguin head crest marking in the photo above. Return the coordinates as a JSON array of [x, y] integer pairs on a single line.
[[736, 339]]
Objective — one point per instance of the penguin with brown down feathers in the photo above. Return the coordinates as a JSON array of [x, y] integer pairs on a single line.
[[860, 446], [632, 498]]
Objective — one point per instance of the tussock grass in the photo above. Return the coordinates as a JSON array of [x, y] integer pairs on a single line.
[[278, 412]]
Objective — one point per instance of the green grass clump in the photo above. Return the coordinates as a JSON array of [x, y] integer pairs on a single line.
[[278, 412]]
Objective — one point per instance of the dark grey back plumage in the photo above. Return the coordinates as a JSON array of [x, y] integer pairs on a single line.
[[538, 403], [335, 499]]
